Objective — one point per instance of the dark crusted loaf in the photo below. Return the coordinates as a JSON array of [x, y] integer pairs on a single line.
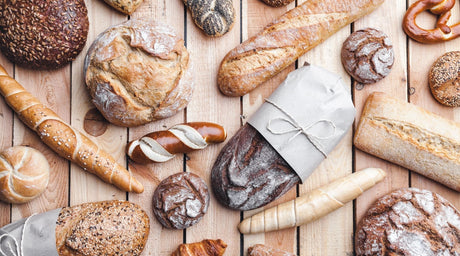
[[249, 173], [409, 222], [43, 34], [214, 17], [277, 3], [102, 228]]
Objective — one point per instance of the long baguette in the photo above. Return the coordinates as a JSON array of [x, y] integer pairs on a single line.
[[412, 137], [62, 138], [313, 205], [285, 40]]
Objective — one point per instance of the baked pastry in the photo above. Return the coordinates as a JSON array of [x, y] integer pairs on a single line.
[[206, 247], [181, 200], [24, 174], [409, 222], [214, 17], [284, 40], [412, 137], [124, 6], [444, 79], [102, 228], [63, 138], [367, 55], [263, 250], [42, 34], [161, 146], [277, 3], [138, 72]]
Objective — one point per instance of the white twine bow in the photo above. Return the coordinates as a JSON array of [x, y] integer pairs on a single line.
[[19, 250], [296, 127]]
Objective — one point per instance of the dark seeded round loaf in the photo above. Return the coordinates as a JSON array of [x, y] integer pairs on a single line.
[[43, 34], [409, 222]]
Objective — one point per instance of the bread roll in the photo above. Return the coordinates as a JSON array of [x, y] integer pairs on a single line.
[[102, 228], [444, 79], [214, 17], [124, 6], [286, 39], [138, 72], [412, 137], [24, 174], [206, 247]]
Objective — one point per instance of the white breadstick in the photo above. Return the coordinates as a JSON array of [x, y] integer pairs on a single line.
[[314, 204]]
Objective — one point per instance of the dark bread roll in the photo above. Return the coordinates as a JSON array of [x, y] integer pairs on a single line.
[[410, 222], [444, 79], [367, 55], [180, 200], [249, 173], [214, 17], [102, 228], [277, 3], [43, 34]]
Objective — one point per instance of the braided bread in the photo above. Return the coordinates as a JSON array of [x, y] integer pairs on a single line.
[[214, 17], [161, 146], [62, 138]]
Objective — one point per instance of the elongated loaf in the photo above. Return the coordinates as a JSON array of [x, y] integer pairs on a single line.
[[64, 139], [412, 137], [286, 39]]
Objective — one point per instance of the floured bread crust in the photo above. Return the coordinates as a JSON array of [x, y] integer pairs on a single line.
[[138, 72]]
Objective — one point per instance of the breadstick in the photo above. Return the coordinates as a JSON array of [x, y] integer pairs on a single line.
[[161, 146], [313, 205], [62, 138]]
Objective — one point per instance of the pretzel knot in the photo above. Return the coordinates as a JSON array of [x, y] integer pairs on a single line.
[[442, 32]]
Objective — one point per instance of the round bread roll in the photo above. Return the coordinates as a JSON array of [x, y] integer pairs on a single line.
[[43, 34], [410, 222], [367, 55], [24, 174], [277, 3], [444, 79], [138, 72]]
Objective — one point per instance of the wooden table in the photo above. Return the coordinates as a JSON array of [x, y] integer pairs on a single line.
[[64, 91]]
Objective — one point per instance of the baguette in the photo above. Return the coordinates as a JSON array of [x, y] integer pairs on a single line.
[[313, 205], [62, 138], [285, 40], [412, 137]]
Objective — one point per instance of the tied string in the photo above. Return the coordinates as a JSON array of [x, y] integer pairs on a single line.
[[19, 250], [296, 127]]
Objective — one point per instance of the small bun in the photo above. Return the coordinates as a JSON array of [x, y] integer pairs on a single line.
[[444, 79], [138, 72], [277, 3], [367, 55], [43, 34], [24, 174], [124, 6]]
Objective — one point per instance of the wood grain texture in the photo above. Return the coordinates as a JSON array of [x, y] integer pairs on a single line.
[[258, 15], [395, 84], [421, 58], [161, 241]]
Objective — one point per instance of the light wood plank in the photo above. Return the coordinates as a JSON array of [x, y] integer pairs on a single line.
[[388, 19], [258, 15], [421, 57], [208, 104]]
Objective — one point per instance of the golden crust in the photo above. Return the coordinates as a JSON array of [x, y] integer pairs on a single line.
[[444, 79]]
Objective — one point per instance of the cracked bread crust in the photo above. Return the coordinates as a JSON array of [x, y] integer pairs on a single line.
[[409, 222]]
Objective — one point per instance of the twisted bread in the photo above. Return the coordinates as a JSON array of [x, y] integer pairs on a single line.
[[62, 138], [214, 17], [161, 146], [286, 39], [206, 247]]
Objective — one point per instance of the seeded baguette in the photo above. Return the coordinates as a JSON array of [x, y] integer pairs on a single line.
[[285, 40], [412, 137]]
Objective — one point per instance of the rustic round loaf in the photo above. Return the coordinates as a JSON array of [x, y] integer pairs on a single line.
[[444, 79], [24, 174], [138, 72], [410, 222], [367, 55], [42, 34], [180, 200]]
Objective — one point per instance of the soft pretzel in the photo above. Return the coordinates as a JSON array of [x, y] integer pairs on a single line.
[[64, 139], [442, 32], [161, 146]]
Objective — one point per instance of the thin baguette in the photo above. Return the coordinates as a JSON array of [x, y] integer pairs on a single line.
[[285, 40], [62, 138], [313, 205], [412, 137]]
